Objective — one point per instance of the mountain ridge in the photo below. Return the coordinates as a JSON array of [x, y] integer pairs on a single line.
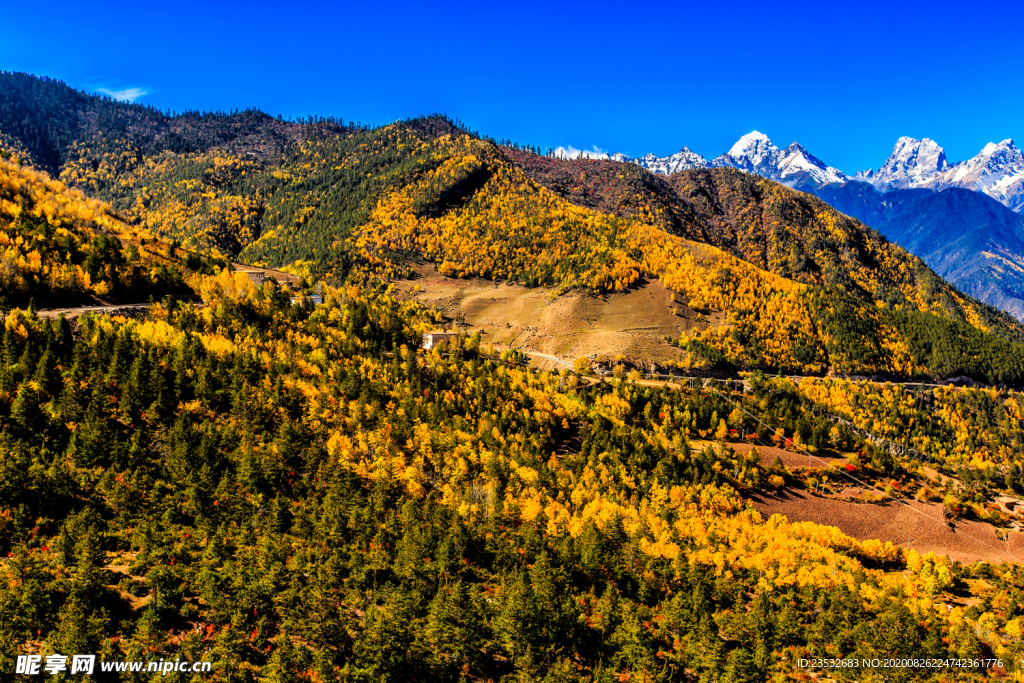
[[355, 205], [997, 170], [971, 258], [969, 238]]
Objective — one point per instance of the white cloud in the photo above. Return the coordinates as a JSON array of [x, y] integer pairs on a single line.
[[126, 94], [571, 152]]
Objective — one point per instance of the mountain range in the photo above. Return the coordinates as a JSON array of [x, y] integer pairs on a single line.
[[752, 153], [997, 170], [303, 493], [963, 218]]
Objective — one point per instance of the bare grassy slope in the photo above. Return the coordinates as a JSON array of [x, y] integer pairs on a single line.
[[920, 523], [632, 323]]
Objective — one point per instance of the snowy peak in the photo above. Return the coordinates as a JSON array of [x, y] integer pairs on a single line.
[[998, 171], [999, 158], [754, 146], [798, 166], [912, 163], [682, 160], [753, 153], [991, 148], [996, 160]]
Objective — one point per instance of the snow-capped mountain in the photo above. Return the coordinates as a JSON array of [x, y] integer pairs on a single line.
[[912, 163], [682, 160], [998, 170], [798, 166], [752, 153], [755, 153]]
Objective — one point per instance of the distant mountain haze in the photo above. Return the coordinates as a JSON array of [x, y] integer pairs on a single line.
[[968, 238]]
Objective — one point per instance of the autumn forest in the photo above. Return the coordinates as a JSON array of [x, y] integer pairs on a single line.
[[221, 438]]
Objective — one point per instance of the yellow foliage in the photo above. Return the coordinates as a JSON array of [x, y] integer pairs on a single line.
[[228, 285]]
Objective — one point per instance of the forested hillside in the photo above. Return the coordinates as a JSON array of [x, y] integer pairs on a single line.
[[299, 493], [59, 247], [822, 317], [786, 232], [48, 118], [300, 211], [612, 187], [970, 239], [801, 287]]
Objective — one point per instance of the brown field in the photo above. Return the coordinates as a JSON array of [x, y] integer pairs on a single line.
[[896, 521], [920, 523], [789, 459], [632, 323]]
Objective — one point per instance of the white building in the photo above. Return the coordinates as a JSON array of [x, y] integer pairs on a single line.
[[436, 337]]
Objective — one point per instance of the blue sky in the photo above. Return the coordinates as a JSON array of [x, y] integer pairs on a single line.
[[843, 79]]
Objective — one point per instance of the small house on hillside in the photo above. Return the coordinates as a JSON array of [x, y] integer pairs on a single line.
[[436, 337]]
